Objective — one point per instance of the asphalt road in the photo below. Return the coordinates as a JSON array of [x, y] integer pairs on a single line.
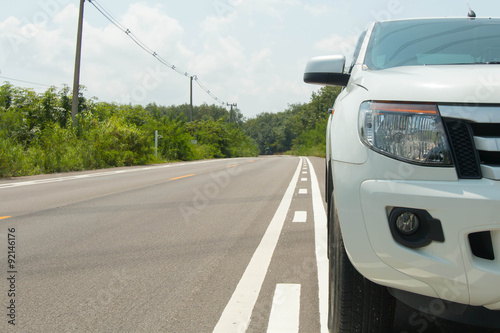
[[222, 246], [207, 246]]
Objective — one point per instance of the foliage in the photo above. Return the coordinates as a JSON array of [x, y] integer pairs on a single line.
[[312, 142], [13, 159], [37, 134], [219, 139], [300, 129]]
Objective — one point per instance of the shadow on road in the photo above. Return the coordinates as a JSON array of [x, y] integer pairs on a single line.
[[409, 320]]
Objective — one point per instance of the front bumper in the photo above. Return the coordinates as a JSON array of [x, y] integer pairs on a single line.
[[449, 269]]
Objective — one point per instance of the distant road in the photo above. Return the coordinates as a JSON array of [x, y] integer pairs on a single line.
[[202, 246]]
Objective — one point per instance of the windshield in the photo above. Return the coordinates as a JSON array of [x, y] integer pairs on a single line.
[[434, 42]]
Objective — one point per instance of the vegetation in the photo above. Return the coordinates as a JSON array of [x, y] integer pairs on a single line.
[[299, 130], [37, 134]]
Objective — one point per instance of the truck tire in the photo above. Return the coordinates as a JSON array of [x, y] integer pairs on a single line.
[[355, 303]]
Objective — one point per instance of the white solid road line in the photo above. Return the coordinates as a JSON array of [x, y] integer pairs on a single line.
[[285, 312], [100, 174], [300, 217], [236, 316], [321, 244]]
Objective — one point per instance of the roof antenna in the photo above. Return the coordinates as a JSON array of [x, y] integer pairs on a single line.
[[471, 13]]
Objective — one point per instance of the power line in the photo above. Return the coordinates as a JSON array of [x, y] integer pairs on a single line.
[[24, 81], [207, 91], [41, 84], [136, 40], [107, 14]]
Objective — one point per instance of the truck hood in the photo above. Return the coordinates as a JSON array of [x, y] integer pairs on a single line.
[[470, 84]]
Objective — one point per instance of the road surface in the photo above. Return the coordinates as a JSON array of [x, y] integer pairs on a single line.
[[222, 246], [207, 246]]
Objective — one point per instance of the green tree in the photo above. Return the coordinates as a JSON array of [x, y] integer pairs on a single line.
[[37, 134], [299, 129]]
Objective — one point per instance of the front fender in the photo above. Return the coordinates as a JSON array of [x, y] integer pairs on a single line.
[[345, 144]]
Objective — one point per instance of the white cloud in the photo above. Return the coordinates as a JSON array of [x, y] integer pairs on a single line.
[[228, 13], [121, 71], [273, 8], [239, 57], [154, 28], [10, 36], [251, 52], [336, 44], [113, 67], [68, 14], [319, 10], [32, 47]]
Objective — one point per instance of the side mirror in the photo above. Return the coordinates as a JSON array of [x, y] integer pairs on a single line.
[[327, 71]]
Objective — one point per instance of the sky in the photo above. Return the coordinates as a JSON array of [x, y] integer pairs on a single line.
[[249, 52]]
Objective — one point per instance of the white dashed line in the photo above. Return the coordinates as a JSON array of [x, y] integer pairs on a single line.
[[238, 311], [300, 217], [303, 191], [285, 312]]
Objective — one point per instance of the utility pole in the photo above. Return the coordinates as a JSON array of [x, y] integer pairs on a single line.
[[231, 114], [191, 95], [76, 80]]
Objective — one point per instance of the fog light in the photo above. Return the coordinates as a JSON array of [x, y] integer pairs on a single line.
[[407, 223], [414, 228]]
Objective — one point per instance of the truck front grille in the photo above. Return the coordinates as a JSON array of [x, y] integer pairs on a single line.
[[474, 136], [464, 153]]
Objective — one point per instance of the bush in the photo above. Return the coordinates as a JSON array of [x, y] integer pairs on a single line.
[[311, 143], [58, 150], [114, 143], [37, 134], [13, 161]]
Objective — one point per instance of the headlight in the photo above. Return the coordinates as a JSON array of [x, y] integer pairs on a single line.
[[409, 132]]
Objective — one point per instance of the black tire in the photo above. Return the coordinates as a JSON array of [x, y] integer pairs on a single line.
[[355, 303]]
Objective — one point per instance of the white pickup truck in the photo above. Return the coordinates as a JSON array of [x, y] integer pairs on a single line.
[[413, 173]]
